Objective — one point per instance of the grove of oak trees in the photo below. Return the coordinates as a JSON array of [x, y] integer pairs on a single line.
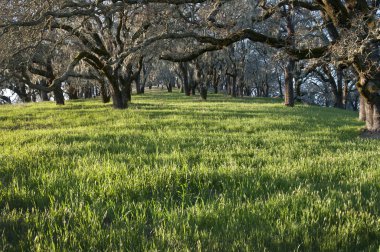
[[47, 44]]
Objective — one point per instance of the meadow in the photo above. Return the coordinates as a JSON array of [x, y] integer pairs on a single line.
[[174, 173]]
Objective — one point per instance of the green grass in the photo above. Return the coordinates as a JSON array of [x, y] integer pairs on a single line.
[[175, 173]]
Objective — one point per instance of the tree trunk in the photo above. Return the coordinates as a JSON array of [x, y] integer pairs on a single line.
[[338, 100], [228, 85], [234, 85], [203, 92], [169, 87], [280, 86], [193, 88], [88, 94], [72, 92], [289, 70], [106, 98], [119, 96], [215, 81], [138, 85], [345, 94], [338, 94], [44, 96], [119, 101], [298, 89], [58, 96], [185, 75], [289, 92], [128, 90], [119, 90]]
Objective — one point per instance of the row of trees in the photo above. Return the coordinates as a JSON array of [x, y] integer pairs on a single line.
[[323, 52], [244, 69]]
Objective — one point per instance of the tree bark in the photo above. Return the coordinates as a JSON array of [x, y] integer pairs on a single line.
[[215, 80], [138, 85], [185, 75], [290, 68], [106, 98], [234, 85], [289, 92], [362, 109], [169, 86], [58, 95], [203, 92]]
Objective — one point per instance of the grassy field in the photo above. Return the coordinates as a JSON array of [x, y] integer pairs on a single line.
[[175, 173]]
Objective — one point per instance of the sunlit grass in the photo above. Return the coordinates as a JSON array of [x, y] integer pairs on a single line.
[[176, 173]]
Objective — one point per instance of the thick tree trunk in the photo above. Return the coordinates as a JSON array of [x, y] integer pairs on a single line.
[[119, 91], [58, 96], [119, 101], [119, 95], [372, 116]]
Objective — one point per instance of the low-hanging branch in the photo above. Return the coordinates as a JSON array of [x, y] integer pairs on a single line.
[[215, 44]]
